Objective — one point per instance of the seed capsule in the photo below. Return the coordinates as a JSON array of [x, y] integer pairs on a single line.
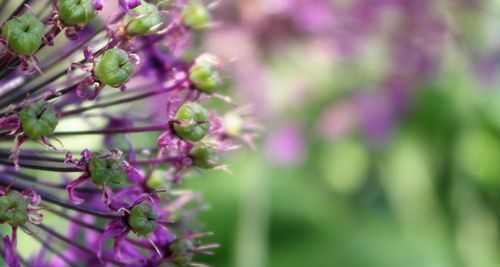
[[157, 179], [196, 15], [13, 209], [192, 122], [146, 21], [23, 34], [115, 68], [143, 218], [204, 156], [76, 12], [38, 119], [104, 169], [182, 250], [205, 74]]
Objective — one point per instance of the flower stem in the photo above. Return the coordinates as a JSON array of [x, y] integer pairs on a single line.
[[154, 128], [8, 181]]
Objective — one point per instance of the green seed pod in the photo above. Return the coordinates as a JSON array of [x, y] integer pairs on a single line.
[[76, 12], [204, 156], [192, 123], [115, 68], [205, 74], [143, 218], [104, 169], [157, 179], [146, 21], [23, 34], [14, 209], [38, 119], [196, 15], [183, 251]]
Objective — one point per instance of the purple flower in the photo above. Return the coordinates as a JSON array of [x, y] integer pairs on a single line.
[[287, 145], [120, 183]]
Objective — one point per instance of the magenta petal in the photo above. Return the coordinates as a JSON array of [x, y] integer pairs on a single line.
[[82, 86], [117, 248], [71, 188], [107, 195], [98, 4], [126, 5], [10, 254], [134, 175], [33, 197], [114, 229], [141, 198]]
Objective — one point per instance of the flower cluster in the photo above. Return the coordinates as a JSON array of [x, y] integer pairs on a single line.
[[121, 199]]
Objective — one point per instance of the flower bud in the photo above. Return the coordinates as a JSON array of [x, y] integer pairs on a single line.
[[233, 124], [196, 15], [157, 179], [106, 169], [38, 119], [23, 34], [143, 218], [192, 122], [204, 73], [14, 209], [76, 12], [182, 249], [204, 156], [146, 20], [115, 68]]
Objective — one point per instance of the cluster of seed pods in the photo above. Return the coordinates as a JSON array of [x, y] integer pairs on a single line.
[[123, 204]]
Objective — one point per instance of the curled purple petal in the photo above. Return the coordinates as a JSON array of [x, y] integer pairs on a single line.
[[34, 198], [114, 229], [88, 54], [35, 216], [72, 185]]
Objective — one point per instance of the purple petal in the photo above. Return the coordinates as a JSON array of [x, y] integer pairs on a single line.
[[134, 174], [107, 195], [33, 196], [126, 5], [163, 236], [88, 54], [71, 188], [10, 254], [143, 197], [124, 251], [98, 4], [114, 229]]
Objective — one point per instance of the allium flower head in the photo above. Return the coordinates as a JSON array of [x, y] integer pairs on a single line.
[[117, 193]]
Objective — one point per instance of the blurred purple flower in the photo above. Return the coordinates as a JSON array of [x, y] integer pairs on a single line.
[[287, 145]]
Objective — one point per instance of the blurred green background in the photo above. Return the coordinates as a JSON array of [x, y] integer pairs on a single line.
[[346, 173]]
